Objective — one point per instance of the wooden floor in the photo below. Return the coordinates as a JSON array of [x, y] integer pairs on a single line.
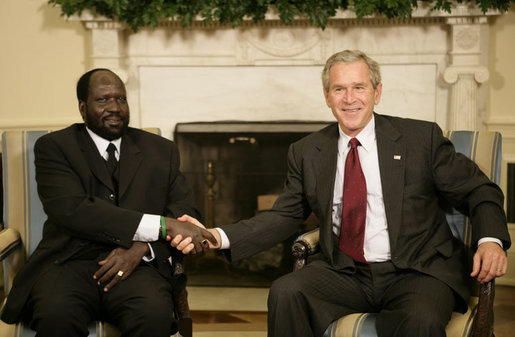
[[253, 324]]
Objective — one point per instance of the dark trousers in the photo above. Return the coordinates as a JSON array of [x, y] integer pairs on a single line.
[[65, 299], [304, 303]]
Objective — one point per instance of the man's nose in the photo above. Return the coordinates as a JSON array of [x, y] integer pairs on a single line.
[[348, 96], [113, 105]]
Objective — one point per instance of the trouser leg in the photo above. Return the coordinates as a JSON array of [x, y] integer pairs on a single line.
[[304, 303], [64, 300], [415, 305], [141, 305]]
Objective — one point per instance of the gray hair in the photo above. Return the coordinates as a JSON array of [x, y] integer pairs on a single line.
[[349, 56]]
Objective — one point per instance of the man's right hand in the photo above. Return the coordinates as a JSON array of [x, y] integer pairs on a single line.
[[197, 234], [185, 243]]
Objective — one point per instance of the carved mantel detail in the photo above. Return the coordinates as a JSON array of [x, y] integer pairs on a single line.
[[453, 43]]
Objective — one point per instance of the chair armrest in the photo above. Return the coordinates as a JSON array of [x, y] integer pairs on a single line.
[[10, 240], [305, 245], [483, 321], [181, 305]]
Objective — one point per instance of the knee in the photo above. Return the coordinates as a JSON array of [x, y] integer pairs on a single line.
[[70, 321], [285, 290], [149, 318], [419, 322]]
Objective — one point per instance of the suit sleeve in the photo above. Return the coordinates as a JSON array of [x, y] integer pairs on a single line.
[[180, 199], [248, 237], [460, 182]]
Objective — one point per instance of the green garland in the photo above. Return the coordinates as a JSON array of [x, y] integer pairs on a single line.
[[148, 13]]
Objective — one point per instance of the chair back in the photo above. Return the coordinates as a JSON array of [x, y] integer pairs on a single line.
[[24, 213], [22, 208], [485, 149]]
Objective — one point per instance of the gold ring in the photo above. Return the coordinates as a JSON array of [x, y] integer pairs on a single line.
[[120, 273], [204, 242]]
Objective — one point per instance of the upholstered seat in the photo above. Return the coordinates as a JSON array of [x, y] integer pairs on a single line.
[[484, 148], [23, 222]]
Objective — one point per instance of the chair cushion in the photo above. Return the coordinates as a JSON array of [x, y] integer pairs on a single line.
[[363, 324]]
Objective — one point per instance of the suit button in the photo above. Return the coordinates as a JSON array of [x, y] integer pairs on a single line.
[[111, 197]]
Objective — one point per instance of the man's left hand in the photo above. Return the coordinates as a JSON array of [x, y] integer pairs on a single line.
[[119, 264], [490, 261]]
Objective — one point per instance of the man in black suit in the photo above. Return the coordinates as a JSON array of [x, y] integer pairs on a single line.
[[406, 265], [103, 254]]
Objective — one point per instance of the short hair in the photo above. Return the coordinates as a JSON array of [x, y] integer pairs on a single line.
[[83, 83], [349, 56]]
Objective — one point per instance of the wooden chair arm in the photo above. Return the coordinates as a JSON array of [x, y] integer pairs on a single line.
[[483, 321], [181, 305], [10, 241], [305, 245]]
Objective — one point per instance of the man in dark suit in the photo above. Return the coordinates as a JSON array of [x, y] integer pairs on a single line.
[[400, 260], [104, 253]]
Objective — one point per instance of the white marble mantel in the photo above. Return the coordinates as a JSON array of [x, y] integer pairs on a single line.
[[433, 67]]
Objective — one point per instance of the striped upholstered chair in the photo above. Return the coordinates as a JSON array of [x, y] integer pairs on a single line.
[[23, 222], [484, 148]]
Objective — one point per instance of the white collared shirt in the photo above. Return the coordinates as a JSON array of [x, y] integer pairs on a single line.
[[149, 225], [377, 242]]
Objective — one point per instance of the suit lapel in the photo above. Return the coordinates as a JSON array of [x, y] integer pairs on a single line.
[[325, 170], [93, 158], [392, 159], [130, 160]]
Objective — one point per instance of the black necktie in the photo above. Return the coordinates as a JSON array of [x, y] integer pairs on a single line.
[[111, 159]]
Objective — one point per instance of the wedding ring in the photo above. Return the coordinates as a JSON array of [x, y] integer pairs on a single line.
[[120, 273], [204, 242]]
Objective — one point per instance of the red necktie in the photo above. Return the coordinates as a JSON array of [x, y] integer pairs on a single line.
[[354, 205]]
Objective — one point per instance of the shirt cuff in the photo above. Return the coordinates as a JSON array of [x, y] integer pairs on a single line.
[[225, 244], [150, 255], [148, 228], [490, 239]]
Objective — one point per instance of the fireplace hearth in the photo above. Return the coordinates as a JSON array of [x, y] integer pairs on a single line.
[[237, 169]]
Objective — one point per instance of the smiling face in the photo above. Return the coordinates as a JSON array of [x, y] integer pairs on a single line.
[[351, 95], [106, 111]]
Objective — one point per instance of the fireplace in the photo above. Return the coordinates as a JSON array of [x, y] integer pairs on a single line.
[[237, 169]]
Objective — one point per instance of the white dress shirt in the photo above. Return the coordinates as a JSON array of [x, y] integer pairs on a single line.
[[377, 243], [149, 225]]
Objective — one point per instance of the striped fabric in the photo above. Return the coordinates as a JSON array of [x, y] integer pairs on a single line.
[[484, 148], [23, 214]]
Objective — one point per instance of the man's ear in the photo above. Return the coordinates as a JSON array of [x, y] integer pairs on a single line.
[[82, 109], [326, 96]]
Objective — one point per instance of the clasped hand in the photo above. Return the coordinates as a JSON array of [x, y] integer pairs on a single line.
[[186, 244], [197, 238]]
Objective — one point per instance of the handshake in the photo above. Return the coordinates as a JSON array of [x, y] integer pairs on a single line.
[[189, 236]]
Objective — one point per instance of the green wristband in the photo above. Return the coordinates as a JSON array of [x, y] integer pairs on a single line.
[[163, 228]]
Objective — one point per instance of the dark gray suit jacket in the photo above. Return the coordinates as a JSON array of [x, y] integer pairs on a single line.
[[429, 174], [76, 191]]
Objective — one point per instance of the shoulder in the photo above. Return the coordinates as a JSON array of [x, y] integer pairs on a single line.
[[62, 136], [150, 143], [406, 127], [142, 137], [318, 138]]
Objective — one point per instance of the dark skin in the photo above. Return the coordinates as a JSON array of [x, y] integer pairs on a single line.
[[106, 113]]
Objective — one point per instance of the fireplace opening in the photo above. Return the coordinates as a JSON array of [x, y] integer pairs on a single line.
[[237, 169]]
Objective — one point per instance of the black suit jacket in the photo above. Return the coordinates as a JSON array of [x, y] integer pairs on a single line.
[[77, 194], [428, 175]]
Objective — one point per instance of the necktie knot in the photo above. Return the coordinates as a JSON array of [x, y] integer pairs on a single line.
[[111, 158], [111, 149], [354, 142]]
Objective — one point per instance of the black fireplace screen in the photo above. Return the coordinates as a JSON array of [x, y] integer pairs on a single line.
[[236, 169]]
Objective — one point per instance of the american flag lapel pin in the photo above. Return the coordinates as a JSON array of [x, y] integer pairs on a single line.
[[397, 156]]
